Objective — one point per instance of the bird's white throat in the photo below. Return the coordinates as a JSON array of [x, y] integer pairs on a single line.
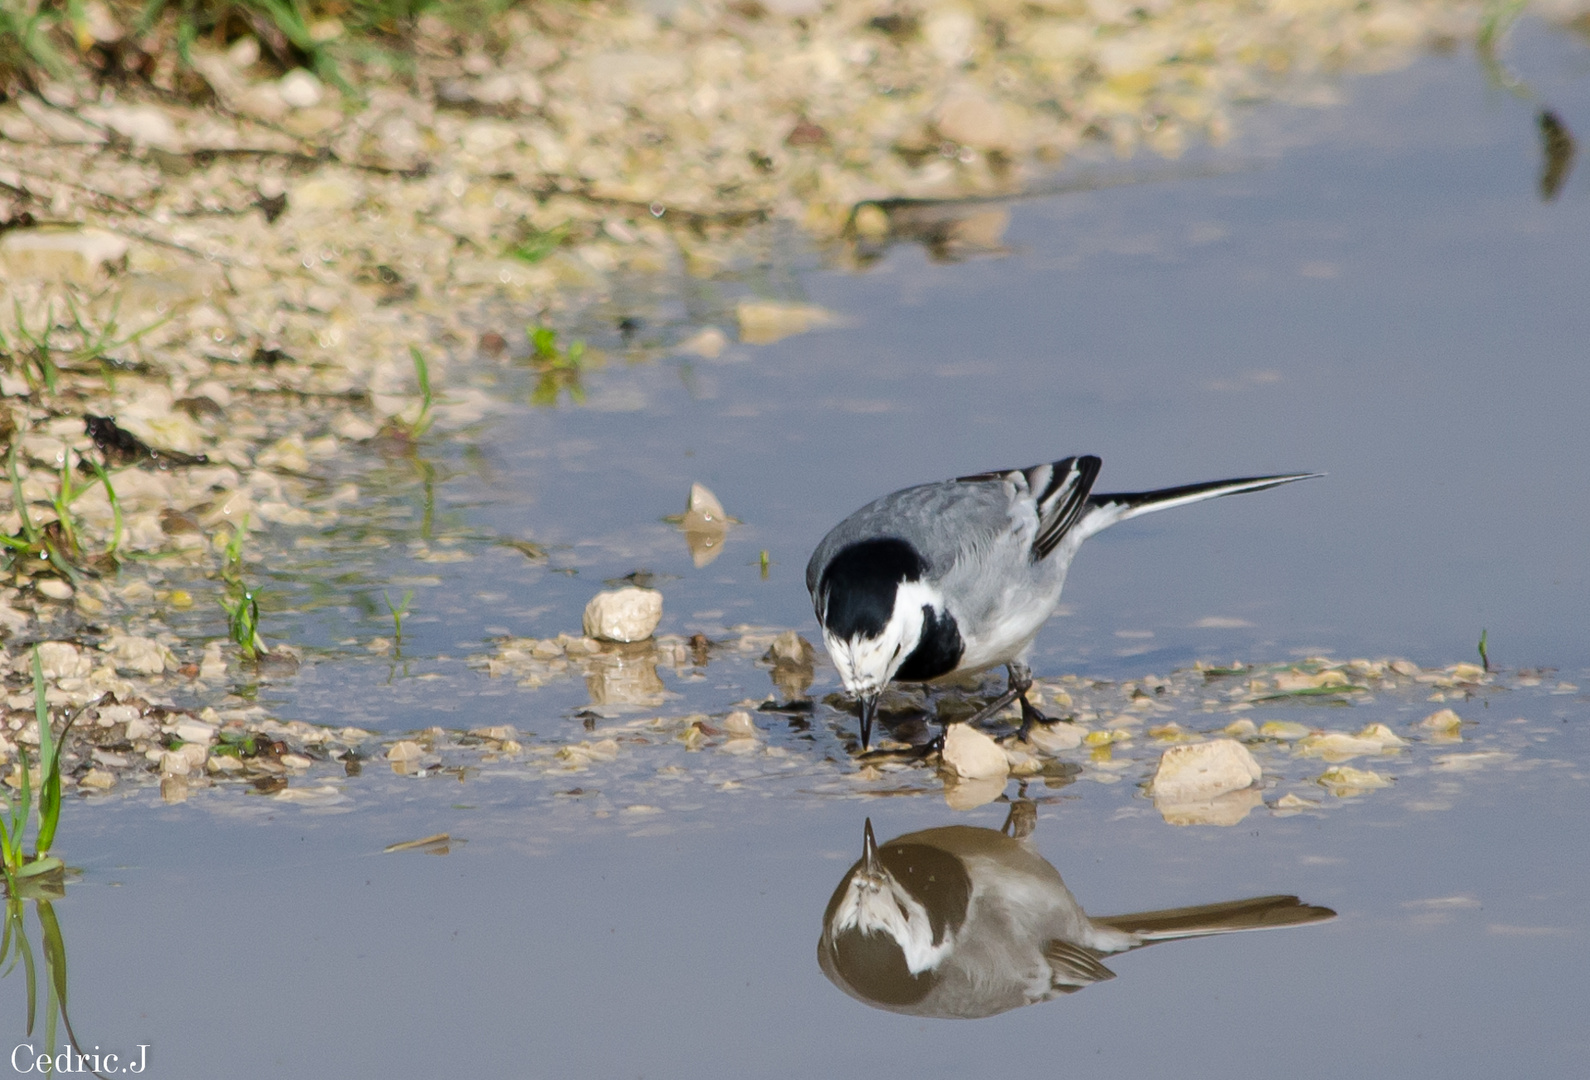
[[867, 664], [877, 904]]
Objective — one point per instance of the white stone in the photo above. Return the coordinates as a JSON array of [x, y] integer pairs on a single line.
[[1060, 735], [146, 656], [739, 724], [58, 254], [195, 731], [791, 650], [59, 660], [971, 119], [404, 751], [628, 614], [98, 779], [1200, 771], [143, 125], [973, 755], [762, 322], [707, 343], [299, 89]]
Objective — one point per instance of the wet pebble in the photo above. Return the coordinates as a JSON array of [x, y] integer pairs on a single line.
[[1202, 771], [623, 615]]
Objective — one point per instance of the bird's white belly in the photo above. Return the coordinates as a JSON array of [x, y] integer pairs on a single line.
[[1001, 639]]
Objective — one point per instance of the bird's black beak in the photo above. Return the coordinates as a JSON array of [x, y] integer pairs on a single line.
[[869, 850], [869, 709]]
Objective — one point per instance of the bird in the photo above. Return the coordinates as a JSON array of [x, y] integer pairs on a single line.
[[963, 922], [957, 576]]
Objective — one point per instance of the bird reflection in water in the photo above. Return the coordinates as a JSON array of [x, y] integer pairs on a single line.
[[964, 922]]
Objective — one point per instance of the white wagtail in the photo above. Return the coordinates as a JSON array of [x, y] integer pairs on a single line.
[[964, 922], [958, 576]]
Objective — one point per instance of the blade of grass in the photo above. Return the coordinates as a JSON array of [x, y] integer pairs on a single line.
[[25, 947], [110, 493], [49, 763]]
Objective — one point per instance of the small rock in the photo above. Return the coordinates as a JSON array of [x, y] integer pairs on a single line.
[[497, 733], [1445, 722], [1285, 730], [299, 89], [973, 755], [58, 254], [143, 125], [61, 660], [705, 524], [1336, 746], [1383, 735], [763, 322], [971, 119], [1344, 781], [1057, 736], [195, 731], [707, 343], [739, 724], [405, 751], [1200, 771], [97, 779], [871, 221], [142, 655], [628, 614], [789, 649]]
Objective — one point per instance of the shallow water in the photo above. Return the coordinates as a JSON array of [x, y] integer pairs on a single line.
[[1371, 288]]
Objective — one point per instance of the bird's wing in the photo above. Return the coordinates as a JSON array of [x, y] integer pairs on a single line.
[[1060, 490], [1073, 966], [941, 521]]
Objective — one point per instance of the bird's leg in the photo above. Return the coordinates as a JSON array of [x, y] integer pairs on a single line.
[[1022, 819], [1020, 683], [993, 707]]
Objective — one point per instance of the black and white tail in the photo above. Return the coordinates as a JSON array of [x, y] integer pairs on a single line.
[[1105, 510]]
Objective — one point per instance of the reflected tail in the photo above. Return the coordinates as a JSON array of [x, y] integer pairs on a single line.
[[1257, 913]]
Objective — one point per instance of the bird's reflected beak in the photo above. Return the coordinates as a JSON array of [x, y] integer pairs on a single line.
[[869, 709], [869, 850]]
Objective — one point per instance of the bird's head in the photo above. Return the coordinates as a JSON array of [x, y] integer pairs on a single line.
[[873, 604], [891, 923]]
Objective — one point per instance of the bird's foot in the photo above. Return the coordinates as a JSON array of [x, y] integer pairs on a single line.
[[1020, 683], [1029, 717]]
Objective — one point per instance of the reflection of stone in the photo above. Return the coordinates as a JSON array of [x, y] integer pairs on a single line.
[[1227, 809], [706, 525], [792, 657], [625, 675], [961, 794]]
